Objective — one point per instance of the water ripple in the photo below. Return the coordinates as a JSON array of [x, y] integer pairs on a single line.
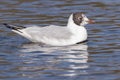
[[99, 57]]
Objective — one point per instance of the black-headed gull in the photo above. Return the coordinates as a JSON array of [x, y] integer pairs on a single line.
[[73, 33]]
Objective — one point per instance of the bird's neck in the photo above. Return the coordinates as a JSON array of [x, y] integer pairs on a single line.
[[72, 26]]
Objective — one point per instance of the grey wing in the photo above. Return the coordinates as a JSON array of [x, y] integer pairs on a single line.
[[55, 32]]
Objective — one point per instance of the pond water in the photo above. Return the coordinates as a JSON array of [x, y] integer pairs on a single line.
[[96, 59]]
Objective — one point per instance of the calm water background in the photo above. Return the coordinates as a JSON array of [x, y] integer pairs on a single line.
[[97, 59]]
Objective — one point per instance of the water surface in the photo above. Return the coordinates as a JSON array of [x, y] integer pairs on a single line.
[[98, 58]]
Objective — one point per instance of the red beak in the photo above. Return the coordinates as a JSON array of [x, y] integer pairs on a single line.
[[91, 21]]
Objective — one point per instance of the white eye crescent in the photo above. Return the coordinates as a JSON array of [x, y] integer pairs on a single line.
[[79, 18]]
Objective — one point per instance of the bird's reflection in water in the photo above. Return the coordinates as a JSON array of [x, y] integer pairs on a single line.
[[56, 61]]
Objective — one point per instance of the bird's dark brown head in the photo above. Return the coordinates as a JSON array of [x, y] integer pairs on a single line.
[[80, 19], [77, 18]]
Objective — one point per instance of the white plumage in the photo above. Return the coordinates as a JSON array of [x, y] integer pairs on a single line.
[[73, 33]]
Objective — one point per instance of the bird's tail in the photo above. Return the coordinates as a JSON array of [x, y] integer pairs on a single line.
[[13, 27]]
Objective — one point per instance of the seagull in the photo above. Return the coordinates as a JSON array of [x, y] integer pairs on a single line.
[[74, 32]]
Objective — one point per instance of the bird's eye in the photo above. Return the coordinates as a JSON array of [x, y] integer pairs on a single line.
[[79, 18]]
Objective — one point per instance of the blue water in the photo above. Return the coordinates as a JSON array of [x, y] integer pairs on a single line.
[[96, 59]]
